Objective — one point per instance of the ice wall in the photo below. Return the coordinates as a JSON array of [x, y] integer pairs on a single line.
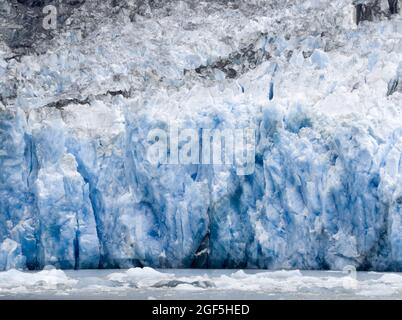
[[78, 191]]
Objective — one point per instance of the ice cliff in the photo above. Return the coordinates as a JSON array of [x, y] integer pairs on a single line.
[[77, 104]]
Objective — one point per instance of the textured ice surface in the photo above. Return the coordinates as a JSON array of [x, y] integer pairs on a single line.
[[77, 191], [187, 284]]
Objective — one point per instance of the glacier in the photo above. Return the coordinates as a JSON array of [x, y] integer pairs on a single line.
[[322, 93]]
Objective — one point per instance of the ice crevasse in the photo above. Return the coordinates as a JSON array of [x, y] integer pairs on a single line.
[[324, 98]]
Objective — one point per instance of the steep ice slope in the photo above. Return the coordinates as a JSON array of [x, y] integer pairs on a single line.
[[76, 187]]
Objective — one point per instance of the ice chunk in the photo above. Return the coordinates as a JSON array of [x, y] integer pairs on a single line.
[[319, 58]]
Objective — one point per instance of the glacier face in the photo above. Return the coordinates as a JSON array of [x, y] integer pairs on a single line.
[[77, 189]]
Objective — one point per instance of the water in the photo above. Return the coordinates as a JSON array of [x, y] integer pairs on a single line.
[[148, 283]]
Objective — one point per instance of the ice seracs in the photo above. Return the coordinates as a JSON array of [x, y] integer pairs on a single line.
[[77, 189]]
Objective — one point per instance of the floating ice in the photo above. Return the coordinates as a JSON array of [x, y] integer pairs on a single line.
[[17, 281], [199, 284]]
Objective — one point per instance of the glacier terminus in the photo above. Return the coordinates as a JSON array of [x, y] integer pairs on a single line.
[[319, 82]]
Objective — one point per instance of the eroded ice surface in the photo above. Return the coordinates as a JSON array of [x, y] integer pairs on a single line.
[[76, 188], [149, 283]]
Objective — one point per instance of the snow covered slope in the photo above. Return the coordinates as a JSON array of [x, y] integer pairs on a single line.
[[324, 96]]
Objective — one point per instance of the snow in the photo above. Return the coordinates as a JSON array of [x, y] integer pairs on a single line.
[[77, 189]]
